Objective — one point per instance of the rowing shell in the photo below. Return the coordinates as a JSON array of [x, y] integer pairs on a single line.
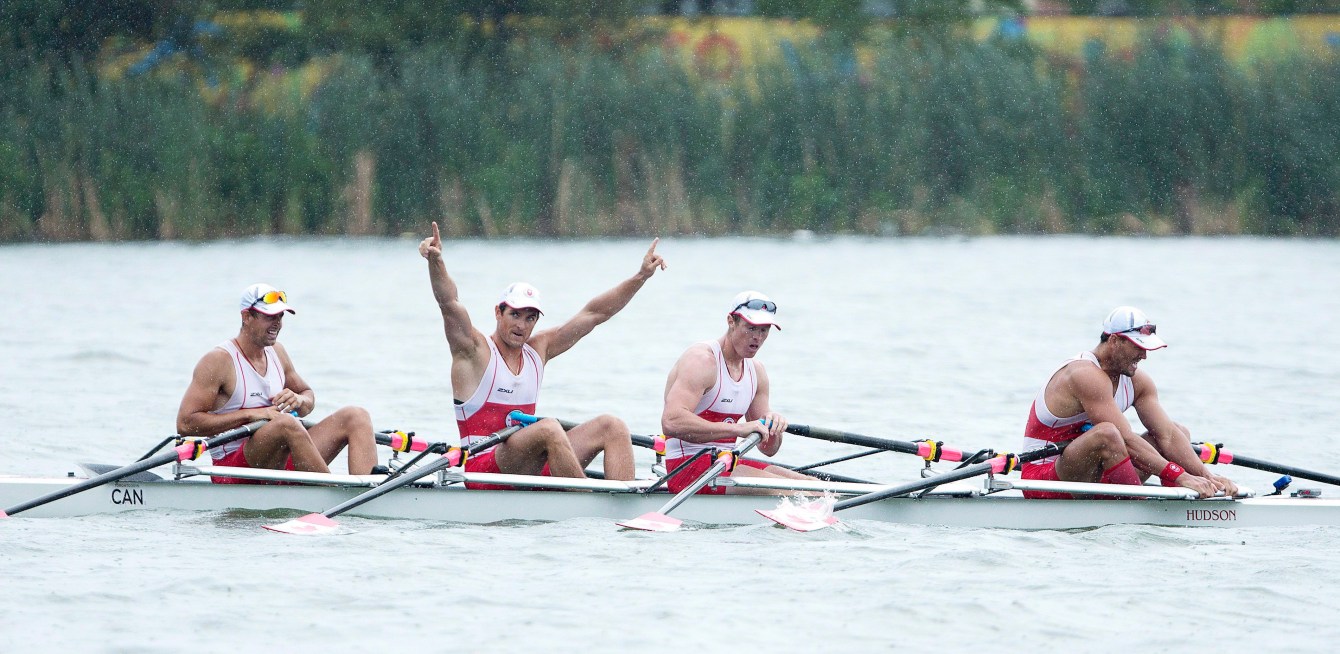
[[993, 502]]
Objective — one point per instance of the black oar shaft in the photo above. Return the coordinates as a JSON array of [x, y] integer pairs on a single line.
[[1269, 466], [829, 462], [938, 480], [650, 443], [440, 463], [837, 436], [134, 468]]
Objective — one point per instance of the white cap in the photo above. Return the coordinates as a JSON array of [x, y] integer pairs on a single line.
[[521, 295], [254, 298], [1127, 322], [755, 308]]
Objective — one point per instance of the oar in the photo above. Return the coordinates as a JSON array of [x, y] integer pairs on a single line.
[[809, 518], [660, 520], [657, 445], [1215, 453], [185, 451], [929, 450], [401, 442], [319, 523]]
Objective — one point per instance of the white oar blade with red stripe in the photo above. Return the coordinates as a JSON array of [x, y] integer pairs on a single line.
[[652, 522], [311, 524], [801, 514], [799, 520]]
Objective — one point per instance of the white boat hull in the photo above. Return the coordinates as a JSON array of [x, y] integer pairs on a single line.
[[453, 503]]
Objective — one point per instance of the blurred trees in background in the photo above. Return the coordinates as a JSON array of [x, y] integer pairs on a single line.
[[568, 122]]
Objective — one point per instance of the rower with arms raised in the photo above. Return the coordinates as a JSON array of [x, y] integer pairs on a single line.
[[495, 374], [1083, 405], [251, 377], [717, 392]]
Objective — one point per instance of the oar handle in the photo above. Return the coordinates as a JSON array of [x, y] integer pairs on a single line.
[[402, 442], [1214, 453], [395, 439], [1003, 463], [929, 450]]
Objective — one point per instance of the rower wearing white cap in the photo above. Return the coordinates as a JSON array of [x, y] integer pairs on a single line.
[[250, 378], [495, 374], [1083, 405], [718, 392]]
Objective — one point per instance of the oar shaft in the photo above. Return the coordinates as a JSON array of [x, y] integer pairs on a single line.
[[914, 486], [1269, 466], [711, 473], [922, 449], [139, 466], [411, 477], [948, 477], [838, 436]]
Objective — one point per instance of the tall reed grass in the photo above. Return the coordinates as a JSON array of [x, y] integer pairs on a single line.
[[931, 135]]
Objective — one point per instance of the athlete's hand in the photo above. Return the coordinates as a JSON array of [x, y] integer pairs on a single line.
[[773, 426], [431, 247], [271, 413], [286, 401], [1201, 485], [651, 261], [1224, 484]]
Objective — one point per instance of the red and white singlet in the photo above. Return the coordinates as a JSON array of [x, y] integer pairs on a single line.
[[499, 393], [727, 401], [1044, 427], [251, 390]]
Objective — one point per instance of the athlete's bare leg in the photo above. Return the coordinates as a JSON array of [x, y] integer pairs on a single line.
[[349, 427], [771, 472], [606, 434], [1092, 453], [526, 452], [279, 439]]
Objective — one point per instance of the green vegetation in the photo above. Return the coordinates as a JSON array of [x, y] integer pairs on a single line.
[[571, 136]]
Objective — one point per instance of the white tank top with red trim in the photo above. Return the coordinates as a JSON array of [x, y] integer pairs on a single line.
[[727, 401], [1045, 427], [499, 393], [251, 389]]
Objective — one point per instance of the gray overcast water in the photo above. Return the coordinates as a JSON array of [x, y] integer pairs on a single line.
[[904, 338]]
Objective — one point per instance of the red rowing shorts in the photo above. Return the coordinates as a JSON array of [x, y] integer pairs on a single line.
[[1043, 472], [1047, 472], [486, 463], [238, 459], [687, 476]]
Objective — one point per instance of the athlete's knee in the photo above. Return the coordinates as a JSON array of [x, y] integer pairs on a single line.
[[550, 431], [353, 416], [612, 427], [1106, 435], [288, 424]]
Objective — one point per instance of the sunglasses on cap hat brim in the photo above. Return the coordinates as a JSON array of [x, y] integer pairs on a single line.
[[271, 298], [1144, 330], [756, 305]]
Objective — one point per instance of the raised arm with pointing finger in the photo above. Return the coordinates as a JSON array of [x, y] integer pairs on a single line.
[[553, 342]]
